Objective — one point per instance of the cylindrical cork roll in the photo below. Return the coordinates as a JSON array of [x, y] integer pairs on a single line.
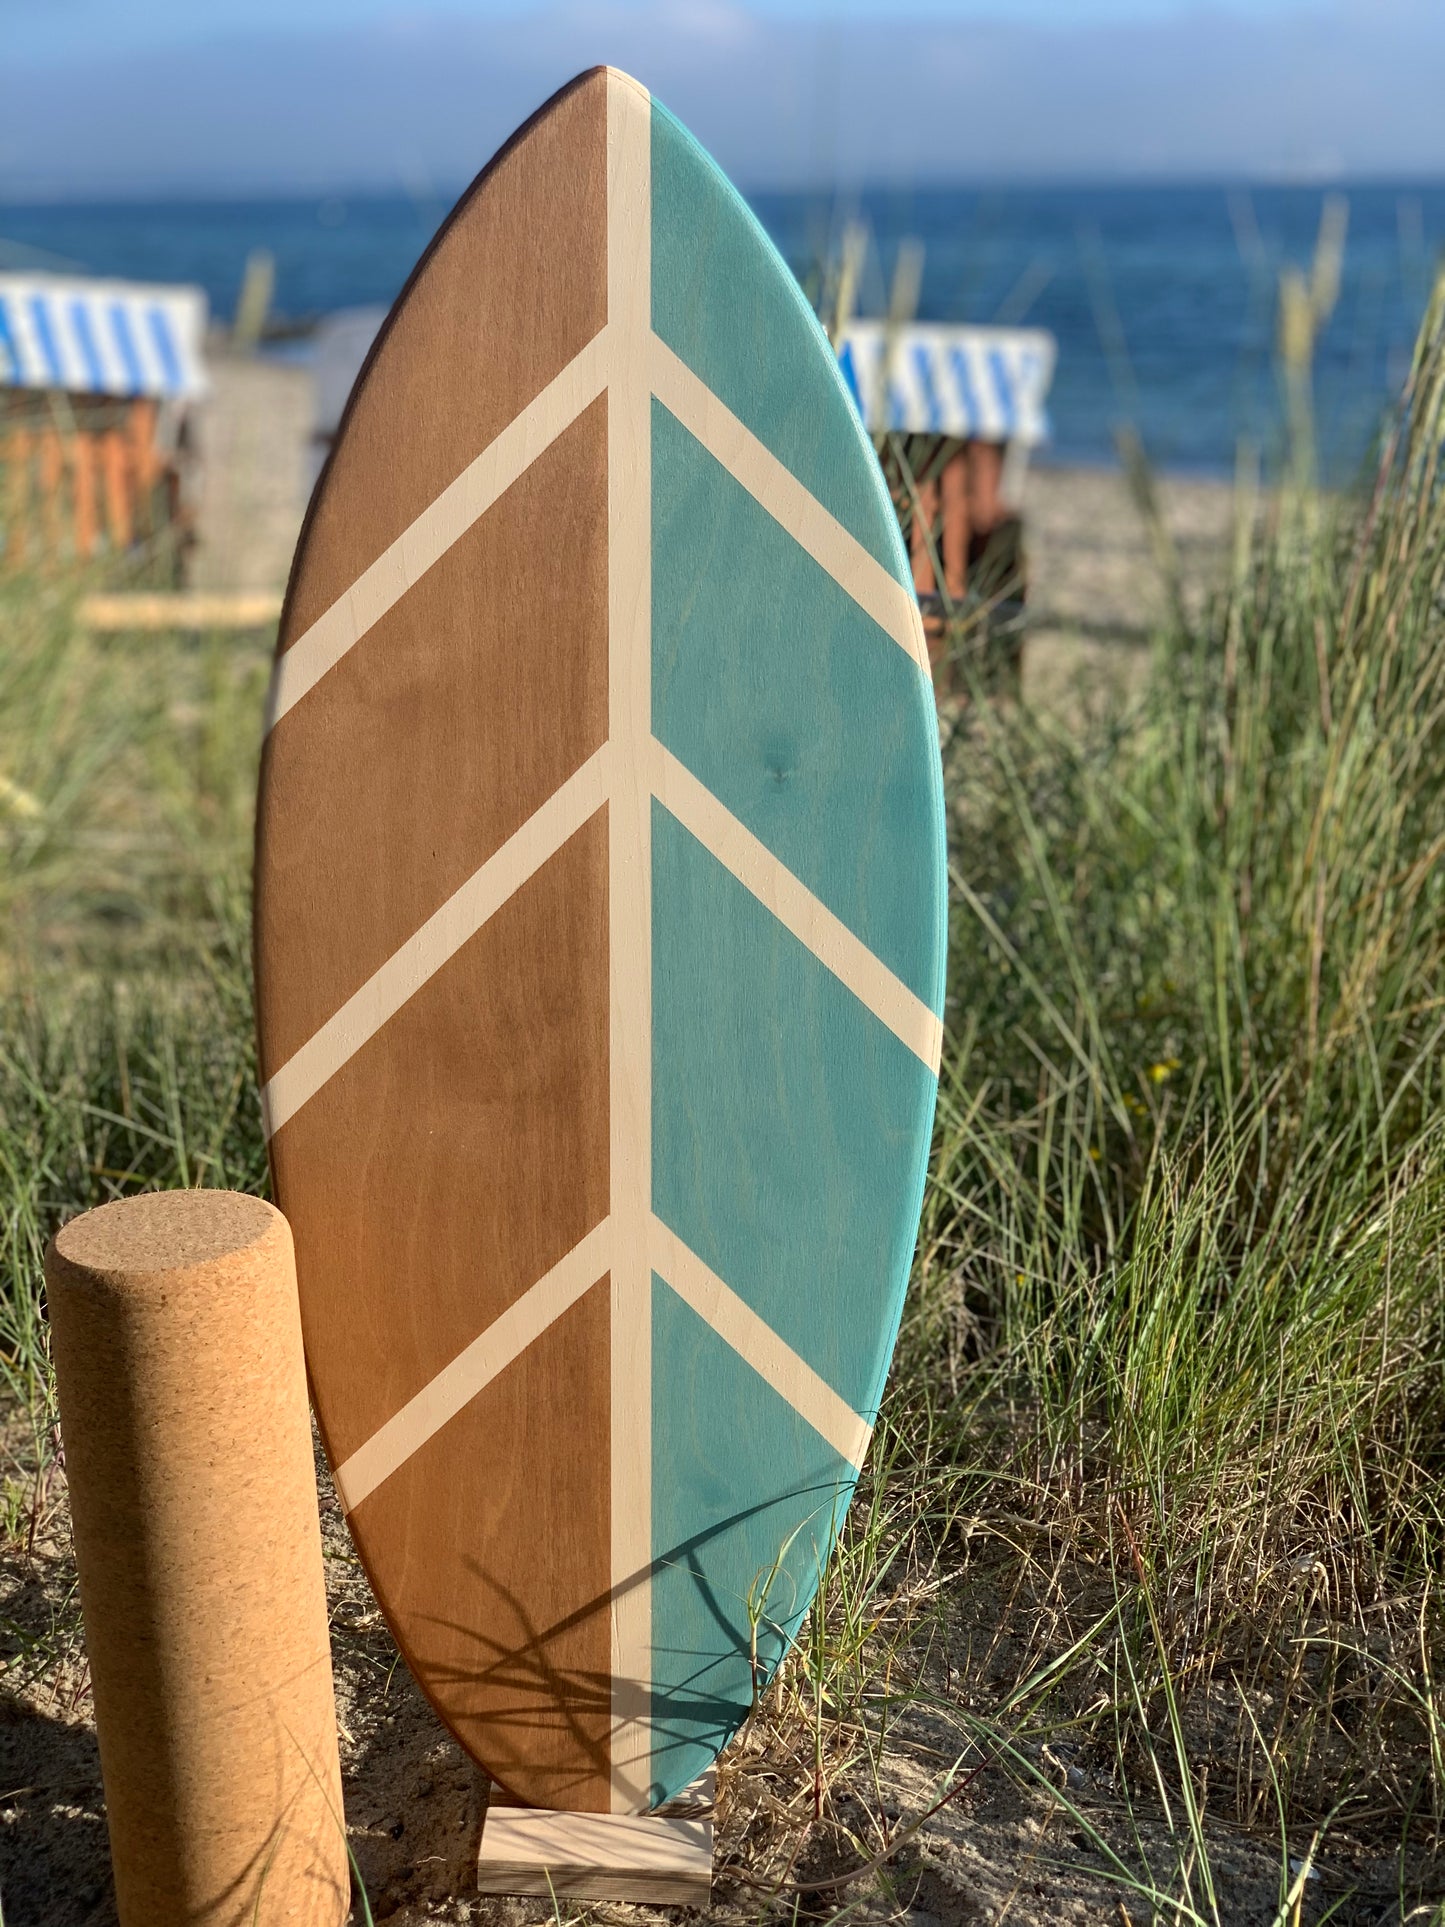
[[183, 1410]]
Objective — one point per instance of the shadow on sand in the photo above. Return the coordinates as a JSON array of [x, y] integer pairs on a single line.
[[54, 1855]]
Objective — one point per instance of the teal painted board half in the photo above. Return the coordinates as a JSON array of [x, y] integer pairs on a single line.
[[740, 1536], [790, 1128], [799, 936], [724, 301], [795, 709]]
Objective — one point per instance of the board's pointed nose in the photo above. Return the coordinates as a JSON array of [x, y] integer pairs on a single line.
[[616, 73]]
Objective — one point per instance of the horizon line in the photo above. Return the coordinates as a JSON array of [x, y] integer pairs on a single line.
[[445, 194]]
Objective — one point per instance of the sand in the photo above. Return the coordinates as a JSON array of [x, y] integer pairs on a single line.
[[1009, 1848], [253, 436], [1096, 591]]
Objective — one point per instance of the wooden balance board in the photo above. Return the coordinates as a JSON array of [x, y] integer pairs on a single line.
[[600, 933]]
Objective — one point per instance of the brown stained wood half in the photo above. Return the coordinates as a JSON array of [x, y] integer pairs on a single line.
[[432, 740], [459, 1154], [490, 1548], [514, 286]]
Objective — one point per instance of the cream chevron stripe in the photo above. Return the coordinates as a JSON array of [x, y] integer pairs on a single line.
[[441, 523], [438, 939], [796, 908], [629, 618], [755, 1341], [892, 606], [464, 501], [491, 1352]]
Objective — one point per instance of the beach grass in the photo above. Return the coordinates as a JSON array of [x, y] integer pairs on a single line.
[[1153, 1522]]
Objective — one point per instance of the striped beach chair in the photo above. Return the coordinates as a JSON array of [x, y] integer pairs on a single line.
[[955, 413], [97, 382]]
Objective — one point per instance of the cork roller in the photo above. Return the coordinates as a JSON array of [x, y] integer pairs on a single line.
[[183, 1409]]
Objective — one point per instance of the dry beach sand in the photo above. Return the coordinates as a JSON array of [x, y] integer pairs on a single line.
[[1007, 1847]]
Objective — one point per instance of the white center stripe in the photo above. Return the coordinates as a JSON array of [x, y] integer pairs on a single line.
[[443, 522], [755, 1341], [629, 816], [796, 908], [463, 502], [508, 1336], [439, 938], [482, 895], [504, 1340], [775, 487]]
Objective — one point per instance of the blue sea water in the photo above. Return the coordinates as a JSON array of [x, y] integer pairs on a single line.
[[1161, 298]]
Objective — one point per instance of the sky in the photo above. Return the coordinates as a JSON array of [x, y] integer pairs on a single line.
[[108, 98]]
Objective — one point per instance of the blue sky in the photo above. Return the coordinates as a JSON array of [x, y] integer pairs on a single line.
[[116, 97], [49, 30]]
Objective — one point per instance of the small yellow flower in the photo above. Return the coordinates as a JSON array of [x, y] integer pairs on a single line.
[[17, 801], [1158, 1073], [1094, 1152]]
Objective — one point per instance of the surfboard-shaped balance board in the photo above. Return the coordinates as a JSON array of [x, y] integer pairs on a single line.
[[600, 930]]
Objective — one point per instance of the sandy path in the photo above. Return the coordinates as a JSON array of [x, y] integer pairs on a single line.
[[253, 437], [1095, 588]]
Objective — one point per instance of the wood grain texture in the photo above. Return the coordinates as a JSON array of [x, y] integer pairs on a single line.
[[493, 1351], [459, 1155], [496, 1540], [664, 1859], [434, 739], [447, 1163], [511, 289]]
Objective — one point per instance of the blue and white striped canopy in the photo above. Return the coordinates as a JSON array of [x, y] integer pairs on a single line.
[[101, 337], [988, 384]]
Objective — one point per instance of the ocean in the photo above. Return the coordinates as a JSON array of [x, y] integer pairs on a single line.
[[1162, 298]]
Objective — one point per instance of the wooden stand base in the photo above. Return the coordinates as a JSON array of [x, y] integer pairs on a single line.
[[664, 1856]]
